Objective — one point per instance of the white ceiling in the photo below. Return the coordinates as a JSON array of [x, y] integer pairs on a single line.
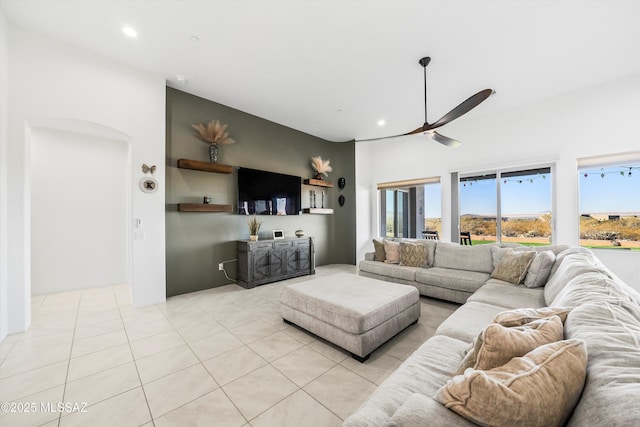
[[334, 68]]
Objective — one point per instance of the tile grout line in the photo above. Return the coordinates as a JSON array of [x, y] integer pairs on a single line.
[[135, 364], [66, 377]]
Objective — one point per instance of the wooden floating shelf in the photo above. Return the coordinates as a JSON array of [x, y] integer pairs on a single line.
[[204, 166], [318, 211], [318, 183], [201, 207]]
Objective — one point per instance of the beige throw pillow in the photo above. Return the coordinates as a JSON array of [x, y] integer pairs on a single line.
[[521, 316], [496, 344], [539, 389], [378, 247], [392, 252], [413, 254], [539, 269], [513, 266]]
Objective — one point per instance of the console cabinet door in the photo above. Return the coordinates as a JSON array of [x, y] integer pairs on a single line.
[[303, 259], [260, 265]]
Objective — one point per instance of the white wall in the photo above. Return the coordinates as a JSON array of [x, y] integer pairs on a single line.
[[79, 211], [596, 121], [4, 306], [52, 80]]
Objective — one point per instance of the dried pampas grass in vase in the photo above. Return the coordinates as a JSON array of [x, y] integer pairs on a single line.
[[215, 133], [321, 167]]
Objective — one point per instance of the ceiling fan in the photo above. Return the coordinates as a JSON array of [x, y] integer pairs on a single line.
[[429, 128]]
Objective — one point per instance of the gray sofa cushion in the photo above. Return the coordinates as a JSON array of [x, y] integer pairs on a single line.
[[571, 266], [428, 369], [466, 322], [420, 410], [469, 258], [612, 334], [467, 281], [497, 292], [389, 270]]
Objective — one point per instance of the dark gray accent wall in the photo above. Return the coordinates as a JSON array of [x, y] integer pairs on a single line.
[[196, 242]]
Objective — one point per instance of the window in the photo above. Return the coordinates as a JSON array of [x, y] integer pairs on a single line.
[[404, 204], [433, 207], [397, 209], [609, 203], [520, 198]]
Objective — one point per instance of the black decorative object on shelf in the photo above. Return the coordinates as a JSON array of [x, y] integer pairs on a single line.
[[341, 182], [341, 200]]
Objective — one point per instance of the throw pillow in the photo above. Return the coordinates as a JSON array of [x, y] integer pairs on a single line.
[[521, 316], [413, 254], [496, 344], [391, 252], [539, 269], [497, 252], [513, 266], [536, 390], [378, 247]]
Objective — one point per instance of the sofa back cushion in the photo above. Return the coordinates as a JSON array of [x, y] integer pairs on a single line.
[[468, 258], [612, 335], [571, 265]]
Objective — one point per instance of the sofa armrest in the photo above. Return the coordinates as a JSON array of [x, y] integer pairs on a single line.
[[370, 256]]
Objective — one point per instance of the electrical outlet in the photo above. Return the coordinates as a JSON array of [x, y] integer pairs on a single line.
[[220, 267]]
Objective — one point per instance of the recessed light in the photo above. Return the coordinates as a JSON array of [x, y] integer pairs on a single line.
[[129, 32], [381, 122], [181, 79]]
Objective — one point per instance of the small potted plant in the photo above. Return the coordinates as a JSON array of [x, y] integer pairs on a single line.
[[254, 228]]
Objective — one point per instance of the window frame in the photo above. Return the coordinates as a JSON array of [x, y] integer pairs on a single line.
[[498, 172]]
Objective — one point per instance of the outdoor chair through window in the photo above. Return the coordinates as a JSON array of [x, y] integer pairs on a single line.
[[430, 235], [465, 238]]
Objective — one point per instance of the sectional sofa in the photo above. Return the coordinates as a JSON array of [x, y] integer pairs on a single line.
[[587, 374]]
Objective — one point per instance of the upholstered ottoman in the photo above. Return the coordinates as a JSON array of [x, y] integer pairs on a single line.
[[356, 313]]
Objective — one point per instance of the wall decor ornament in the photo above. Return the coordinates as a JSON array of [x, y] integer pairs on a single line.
[[148, 184], [342, 182], [321, 167], [214, 133], [341, 200]]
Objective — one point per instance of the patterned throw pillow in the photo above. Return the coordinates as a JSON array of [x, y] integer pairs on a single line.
[[513, 266], [539, 389], [392, 252], [378, 247], [414, 254], [496, 344]]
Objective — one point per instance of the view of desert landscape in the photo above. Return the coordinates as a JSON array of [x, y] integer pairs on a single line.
[[620, 233]]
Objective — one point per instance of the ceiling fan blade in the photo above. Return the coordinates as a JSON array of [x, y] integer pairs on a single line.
[[471, 103], [444, 140], [380, 138], [421, 129]]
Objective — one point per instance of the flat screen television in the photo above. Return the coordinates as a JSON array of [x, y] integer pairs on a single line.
[[268, 193]]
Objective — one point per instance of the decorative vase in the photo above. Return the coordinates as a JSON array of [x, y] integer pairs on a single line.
[[318, 176], [253, 237], [213, 153], [299, 233]]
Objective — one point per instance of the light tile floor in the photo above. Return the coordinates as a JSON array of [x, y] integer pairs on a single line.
[[220, 357]]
